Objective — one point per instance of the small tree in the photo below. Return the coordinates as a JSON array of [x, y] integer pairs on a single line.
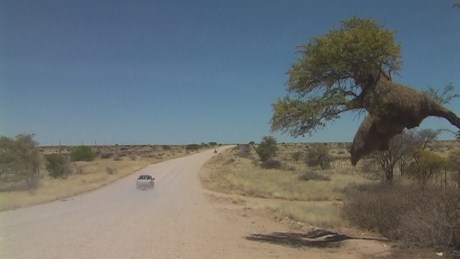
[[58, 165], [82, 153], [267, 148], [401, 150], [319, 155], [296, 156], [426, 164], [399, 147], [19, 159]]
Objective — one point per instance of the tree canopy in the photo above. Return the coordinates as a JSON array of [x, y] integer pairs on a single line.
[[19, 160], [331, 74], [350, 68], [267, 148]]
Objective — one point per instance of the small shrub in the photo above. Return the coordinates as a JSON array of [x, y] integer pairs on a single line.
[[313, 176], [435, 221], [289, 168], [106, 155], [296, 156], [271, 164], [82, 153], [192, 147], [376, 207], [110, 170], [57, 166], [426, 216], [244, 150], [318, 155], [267, 148]]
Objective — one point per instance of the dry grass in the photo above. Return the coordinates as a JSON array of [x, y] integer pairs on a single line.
[[238, 173], [86, 176], [312, 202], [94, 175], [319, 214]]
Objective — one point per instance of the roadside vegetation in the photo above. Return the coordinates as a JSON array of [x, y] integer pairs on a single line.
[[415, 195], [32, 174], [305, 193], [316, 185]]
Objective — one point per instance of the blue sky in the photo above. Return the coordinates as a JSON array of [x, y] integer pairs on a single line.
[[179, 72]]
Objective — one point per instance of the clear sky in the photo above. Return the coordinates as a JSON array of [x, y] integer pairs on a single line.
[[179, 72]]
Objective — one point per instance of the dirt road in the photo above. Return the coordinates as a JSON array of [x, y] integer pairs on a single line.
[[175, 220]]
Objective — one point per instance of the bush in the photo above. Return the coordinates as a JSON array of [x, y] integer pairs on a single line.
[[271, 164], [19, 161], [267, 148], [426, 216], [376, 207], [319, 156], [110, 170], [192, 147], [106, 155], [435, 221], [57, 166], [313, 176], [82, 153], [244, 150]]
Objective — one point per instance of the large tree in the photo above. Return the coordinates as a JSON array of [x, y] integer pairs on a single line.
[[350, 68]]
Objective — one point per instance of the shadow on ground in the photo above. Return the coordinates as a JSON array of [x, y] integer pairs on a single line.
[[315, 238]]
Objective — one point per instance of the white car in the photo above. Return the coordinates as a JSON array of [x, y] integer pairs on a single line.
[[145, 181]]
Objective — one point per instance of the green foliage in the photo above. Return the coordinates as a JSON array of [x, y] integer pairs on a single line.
[[192, 147], [426, 164], [58, 165], [82, 153], [267, 148], [19, 160], [332, 72], [402, 150]]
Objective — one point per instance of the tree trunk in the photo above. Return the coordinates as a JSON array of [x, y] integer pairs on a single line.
[[389, 174]]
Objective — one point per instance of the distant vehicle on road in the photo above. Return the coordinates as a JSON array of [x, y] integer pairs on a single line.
[[145, 181]]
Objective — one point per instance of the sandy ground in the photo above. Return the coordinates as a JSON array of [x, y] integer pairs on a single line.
[[177, 219]]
